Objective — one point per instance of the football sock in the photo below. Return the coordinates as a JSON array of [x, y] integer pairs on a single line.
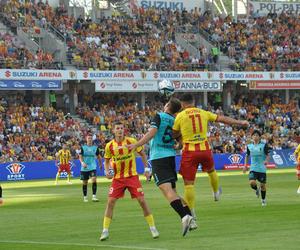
[[254, 186], [179, 208], [94, 187], [263, 194], [106, 223], [214, 180], [150, 220], [189, 196], [0, 192], [69, 176], [57, 175], [84, 190]]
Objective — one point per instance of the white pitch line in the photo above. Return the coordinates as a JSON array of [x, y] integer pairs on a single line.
[[79, 245]]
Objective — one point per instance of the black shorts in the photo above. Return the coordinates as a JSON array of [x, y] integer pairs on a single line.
[[261, 177], [85, 175], [164, 171]]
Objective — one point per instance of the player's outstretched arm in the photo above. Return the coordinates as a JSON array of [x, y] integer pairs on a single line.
[[147, 137], [231, 121]]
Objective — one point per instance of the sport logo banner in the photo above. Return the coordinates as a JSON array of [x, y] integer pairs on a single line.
[[15, 172]]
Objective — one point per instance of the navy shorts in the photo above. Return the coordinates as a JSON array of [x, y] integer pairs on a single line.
[[261, 177], [85, 175], [164, 171]]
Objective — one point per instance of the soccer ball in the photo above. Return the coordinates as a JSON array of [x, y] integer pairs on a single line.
[[166, 88]]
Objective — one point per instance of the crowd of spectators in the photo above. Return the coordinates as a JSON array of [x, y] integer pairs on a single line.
[[279, 122], [34, 132], [258, 43], [147, 40], [14, 53]]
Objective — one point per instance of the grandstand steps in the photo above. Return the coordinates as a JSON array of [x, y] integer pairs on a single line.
[[122, 7], [31, 45], [84, 124], [224, 62]]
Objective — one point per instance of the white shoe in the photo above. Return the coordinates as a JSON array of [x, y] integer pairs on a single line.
[[68, 182], [298, 191], [94, 199], [104, 235], [193, 225], [264, 202], [55, 183], [85, 199], [186, 223], [218, 194], [154, 232]]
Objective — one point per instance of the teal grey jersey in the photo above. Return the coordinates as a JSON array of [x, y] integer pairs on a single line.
[[258, 153], [162, 144], [89, 155]]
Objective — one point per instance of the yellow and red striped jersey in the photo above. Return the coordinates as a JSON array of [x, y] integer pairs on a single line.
[[64, 156], [193, 125], [297, 153], [122, 159]]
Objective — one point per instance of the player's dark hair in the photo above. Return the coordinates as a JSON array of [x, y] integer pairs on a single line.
[[117, 123], [187, 98], [256, 132], [174, 105]]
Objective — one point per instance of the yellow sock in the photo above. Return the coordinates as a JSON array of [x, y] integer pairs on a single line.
[[150, 220], [69, 175], [57, 175], [214, 180], [189, 196], [106, 222]]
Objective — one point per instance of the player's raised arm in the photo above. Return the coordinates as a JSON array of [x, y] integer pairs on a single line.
[[146, 138], [232, 121]]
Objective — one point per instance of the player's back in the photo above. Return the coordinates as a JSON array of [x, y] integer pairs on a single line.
[[64, 156], [193, 125], [162, 144]]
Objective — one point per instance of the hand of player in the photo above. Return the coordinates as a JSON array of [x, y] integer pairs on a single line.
[[83, 164], [147, 173], [178, 146], [131, 146]]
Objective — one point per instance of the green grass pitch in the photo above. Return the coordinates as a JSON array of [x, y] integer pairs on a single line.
[[38, 215]]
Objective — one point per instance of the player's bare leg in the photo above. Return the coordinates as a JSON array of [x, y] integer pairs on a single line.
[[56, 178], [148, 216], [111, 202], [69, 178], [253, 185]]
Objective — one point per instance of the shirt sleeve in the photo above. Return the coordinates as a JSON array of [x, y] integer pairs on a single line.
[[107, 153], [211, 116], [248, 151], [155, 122], [98, 151], [267, 149]]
